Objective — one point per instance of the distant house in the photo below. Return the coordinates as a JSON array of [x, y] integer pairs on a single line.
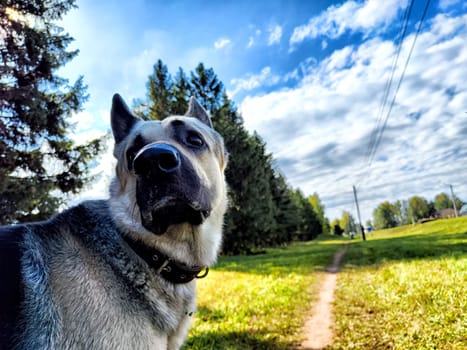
[[445, 213], [463, 211]]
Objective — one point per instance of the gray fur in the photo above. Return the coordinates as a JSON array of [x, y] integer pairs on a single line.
[[85, 288], [38, 304]]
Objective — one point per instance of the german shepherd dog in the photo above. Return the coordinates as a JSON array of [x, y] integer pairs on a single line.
[[121, 273]]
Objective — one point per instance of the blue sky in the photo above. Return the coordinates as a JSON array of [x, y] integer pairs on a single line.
[[308, 76]]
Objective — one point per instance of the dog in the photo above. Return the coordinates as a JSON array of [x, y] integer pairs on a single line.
[[121, 273]]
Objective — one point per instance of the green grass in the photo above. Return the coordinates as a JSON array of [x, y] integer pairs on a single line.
[[261, 301], [405, 288]]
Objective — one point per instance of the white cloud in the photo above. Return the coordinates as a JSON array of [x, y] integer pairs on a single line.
[[81, 120], [87, 127], [251, 42], [253, 81], [293, 75], [253, 39], [444, 4], [319, 131], [103, 171], [275, 35], [351, 16], [221, 43]]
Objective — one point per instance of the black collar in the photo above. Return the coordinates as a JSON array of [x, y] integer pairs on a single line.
[[161, 264]]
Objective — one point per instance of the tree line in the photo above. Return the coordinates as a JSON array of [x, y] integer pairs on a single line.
[[398, 213], [40, 164], [412, 210]]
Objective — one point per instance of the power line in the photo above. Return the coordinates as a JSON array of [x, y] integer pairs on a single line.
[[387, 88], [380, 135], [400, 81], [379, 131]]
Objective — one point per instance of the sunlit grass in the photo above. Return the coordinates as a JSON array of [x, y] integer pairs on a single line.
[[259, 302], [405, 288]]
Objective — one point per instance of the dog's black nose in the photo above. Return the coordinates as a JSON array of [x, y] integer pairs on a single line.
[[156, 158]]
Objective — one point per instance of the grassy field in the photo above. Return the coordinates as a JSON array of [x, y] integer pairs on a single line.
[[259, 302], [405, 288]]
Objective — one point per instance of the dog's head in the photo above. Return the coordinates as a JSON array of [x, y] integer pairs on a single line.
[[169, 172]]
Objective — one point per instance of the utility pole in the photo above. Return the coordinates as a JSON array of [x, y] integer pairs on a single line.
[[453, 200], [358, 213]]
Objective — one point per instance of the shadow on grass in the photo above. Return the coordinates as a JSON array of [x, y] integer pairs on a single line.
[[254, 339], [435, 245], [207, 314], [234, 340], [300, 258]]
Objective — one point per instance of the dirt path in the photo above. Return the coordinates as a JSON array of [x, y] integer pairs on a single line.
[[318, 329]]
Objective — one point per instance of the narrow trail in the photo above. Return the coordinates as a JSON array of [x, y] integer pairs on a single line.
[[318, 329]]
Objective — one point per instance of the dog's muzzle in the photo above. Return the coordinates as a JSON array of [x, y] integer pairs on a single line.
[[168, 190]]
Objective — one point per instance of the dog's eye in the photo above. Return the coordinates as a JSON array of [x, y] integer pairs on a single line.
[[195, 140]]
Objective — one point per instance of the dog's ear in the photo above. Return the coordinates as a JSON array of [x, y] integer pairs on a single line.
[[122, 119], [195, 110]]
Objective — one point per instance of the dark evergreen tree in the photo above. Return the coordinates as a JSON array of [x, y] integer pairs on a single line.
[[181, 93], [38, 161], [159, 92], [207, 88], [260, 190], [287, 214], [309, 225], [251, 221]]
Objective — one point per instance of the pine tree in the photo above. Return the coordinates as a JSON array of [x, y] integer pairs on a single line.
[[239, 235], [207, 88], [159, 92], [38, 161], [181, 93], [250, 221], [289, 214], [309, 225]]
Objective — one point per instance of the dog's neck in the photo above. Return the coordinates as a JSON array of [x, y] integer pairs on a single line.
[[171, 270]]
